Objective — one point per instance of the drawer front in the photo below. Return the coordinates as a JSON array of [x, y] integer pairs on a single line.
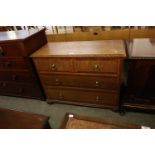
[[83, 95], [13, 64], [15, 76], [54, 64], [110, 83], [23, 90], [107, 66], [10, 49]]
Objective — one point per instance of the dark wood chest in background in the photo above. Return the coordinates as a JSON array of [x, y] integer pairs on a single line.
[[140, 86], [82, 72], [17, 73]]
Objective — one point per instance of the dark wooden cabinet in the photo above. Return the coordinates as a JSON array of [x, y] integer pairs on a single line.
[[17, 73], [84, 72], [139, 91]]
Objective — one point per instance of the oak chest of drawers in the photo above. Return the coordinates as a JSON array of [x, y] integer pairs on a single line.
[[17, 73], [82, 72]]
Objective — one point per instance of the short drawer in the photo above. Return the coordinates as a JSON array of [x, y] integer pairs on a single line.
[[94, 65], [18, 89], [54, 64], [20, 76], [82, 95], [110, 83], [13, 64], [10, 49]]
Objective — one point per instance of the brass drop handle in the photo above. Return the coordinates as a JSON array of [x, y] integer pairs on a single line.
[[14, 77], [53, 66], [57, 81], [96, 66], [97, 83], [1, 52]]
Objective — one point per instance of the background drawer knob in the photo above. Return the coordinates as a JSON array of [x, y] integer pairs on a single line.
[[3, 84], [53, 67], [8, 64], [1, 52], [14, 77], [21, 90]]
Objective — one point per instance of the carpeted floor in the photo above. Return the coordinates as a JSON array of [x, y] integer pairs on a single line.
[[57, 111]]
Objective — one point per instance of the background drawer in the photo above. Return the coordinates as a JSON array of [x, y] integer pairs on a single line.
[[16, 89], [13, 64], [110, 83], [16, 76], [54, 64], [97, 65], [82, 95], [10, 49]]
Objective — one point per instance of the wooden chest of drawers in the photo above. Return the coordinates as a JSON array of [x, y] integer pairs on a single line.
[[83, 72], [17, 73]]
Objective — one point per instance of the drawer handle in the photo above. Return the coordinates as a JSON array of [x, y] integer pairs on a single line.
[[14, 77], [3, 84], [97, 83], [60, 95], [96, 66], [97, 98], [1, 52], [53, 67], [21, 90], [7, 64], [57, 81]]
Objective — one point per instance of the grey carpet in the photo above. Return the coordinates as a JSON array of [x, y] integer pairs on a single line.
[[56, 112]]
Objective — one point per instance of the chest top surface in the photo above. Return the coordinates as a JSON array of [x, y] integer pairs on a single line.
[[9, 36], [141, 48], [105, 48]]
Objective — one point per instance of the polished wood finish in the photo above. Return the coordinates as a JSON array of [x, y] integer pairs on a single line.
[[140, 89], [73, 121], [12, 119], [17, 72], [106, 48], [86, 73]]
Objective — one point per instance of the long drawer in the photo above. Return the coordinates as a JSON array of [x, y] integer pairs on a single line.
[[82, 95], [19, 89], [17, 76], [110, 83], [13, 64]]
